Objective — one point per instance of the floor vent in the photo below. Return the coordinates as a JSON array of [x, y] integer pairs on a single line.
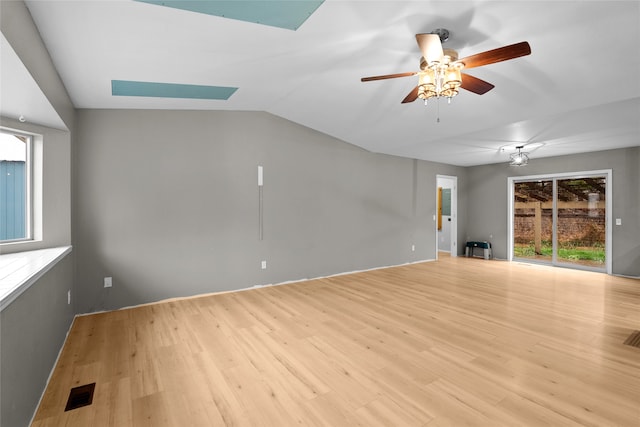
[[80, 396], [633, 340]]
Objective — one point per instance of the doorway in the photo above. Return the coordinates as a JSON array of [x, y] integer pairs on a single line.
[[446, 217], [562, 219]]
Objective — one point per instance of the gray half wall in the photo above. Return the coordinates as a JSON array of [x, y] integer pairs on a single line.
[[167, 204], [33, 328]]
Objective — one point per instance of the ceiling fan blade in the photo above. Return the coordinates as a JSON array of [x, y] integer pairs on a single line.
[[413, 95], [430, 46], [388, 76], [475, 85], [496, 55]]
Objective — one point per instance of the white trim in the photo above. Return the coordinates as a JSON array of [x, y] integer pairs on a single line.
[[34, 187], [453, 250], [553, 176], [250, 288], [510, 181], [20, 270]]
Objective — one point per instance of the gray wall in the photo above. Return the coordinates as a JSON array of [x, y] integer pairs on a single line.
[[168, 204], [33, 326], [32, 330], [487, 200]]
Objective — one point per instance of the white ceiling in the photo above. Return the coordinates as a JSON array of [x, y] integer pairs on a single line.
[[578, 91]]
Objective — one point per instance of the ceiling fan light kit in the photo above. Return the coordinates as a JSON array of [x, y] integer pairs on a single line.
[[440, 78]]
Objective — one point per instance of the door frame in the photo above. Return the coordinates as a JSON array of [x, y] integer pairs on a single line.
[[608, 173], [454, 214]]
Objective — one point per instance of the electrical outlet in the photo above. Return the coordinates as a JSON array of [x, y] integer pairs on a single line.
[[108, 282], [618, 221], [413, 248], [69, 297], [264, 265]]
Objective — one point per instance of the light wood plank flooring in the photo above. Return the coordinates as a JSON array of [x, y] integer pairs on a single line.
[[449, 343]]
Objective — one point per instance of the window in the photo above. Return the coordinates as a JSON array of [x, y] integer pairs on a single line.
[[15, 186]]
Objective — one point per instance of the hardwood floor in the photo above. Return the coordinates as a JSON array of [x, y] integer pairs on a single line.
[[449, 343]]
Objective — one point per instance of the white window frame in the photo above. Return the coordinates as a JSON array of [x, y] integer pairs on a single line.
[[33, 196]]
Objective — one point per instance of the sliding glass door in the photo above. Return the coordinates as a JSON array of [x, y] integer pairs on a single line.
[[581, 223], [533, 220], [561, 220]]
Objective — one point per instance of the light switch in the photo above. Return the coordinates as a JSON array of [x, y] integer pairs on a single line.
[[618, 221]]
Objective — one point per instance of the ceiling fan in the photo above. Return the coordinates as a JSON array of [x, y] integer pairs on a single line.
[[441, 73]]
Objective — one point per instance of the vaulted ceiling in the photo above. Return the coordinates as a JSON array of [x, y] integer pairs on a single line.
[[578, 91]]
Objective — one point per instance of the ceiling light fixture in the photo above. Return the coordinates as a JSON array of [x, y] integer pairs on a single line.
[[520, 158], [442, 77]]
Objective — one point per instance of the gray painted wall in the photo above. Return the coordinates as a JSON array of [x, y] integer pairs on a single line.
[[487, 200], [168, 204], [33, 327], [32, 330]]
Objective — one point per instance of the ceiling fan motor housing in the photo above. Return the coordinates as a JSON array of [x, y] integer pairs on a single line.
[[443, 33]]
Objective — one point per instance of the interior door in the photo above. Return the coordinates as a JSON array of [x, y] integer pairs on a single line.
[[446, 214]]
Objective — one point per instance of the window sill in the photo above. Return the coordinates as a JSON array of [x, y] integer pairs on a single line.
[[18, 271]]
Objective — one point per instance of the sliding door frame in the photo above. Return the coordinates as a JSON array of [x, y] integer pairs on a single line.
[[608, 173]]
